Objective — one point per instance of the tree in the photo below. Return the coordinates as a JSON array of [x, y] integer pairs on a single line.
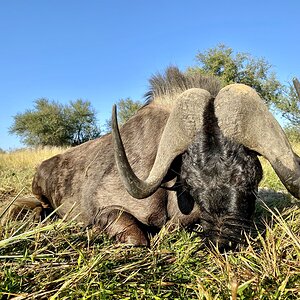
[[81, 122], [221, 61], [290, 104], [126, 109], [55, 124], [239, 67]]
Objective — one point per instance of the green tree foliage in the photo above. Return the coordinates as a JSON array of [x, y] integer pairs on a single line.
[[126, 109], [239, 67], [81, 121], [55, 124], [290, 104]]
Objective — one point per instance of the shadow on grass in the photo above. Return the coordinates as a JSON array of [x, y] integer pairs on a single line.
[[269, 201], [275, 200]]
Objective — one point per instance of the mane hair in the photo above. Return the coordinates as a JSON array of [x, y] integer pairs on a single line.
[[165, 87]]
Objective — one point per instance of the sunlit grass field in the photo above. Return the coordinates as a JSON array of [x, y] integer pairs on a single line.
[[18, 167], [60, 260]]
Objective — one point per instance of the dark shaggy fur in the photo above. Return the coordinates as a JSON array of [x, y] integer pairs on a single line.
[[222, 177]]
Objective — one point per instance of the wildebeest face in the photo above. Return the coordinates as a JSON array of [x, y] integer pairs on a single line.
[[223, 183], [225, 214]]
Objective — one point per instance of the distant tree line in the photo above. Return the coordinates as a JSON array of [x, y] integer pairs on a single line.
[[52, 123]]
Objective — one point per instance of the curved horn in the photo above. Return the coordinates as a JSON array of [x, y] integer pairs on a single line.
[[243, 116], [133, 184], [183, 122]]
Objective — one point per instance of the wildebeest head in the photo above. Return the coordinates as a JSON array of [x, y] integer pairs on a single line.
[[246, 127], [222, 178]]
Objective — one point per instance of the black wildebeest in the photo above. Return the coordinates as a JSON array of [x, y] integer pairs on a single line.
[[191, 154]]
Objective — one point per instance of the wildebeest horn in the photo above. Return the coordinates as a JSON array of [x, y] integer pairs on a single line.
[[133, 184], [242, 116], [183, 122]]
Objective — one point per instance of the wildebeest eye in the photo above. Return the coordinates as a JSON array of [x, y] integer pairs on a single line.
[[185, 201]]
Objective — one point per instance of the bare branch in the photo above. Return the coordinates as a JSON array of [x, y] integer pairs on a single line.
[[297, 86]]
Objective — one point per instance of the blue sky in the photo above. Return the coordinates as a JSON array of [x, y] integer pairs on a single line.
[[103, 51]]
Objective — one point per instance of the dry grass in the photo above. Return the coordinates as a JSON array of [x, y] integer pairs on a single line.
[[60, 260], [270, 179], [17, 168]]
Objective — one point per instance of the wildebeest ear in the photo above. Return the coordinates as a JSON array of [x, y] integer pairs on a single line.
[[243, 116], [184, 121]]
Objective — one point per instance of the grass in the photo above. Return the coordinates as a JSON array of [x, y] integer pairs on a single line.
[[18, 167], [270, 179], [60, 260]]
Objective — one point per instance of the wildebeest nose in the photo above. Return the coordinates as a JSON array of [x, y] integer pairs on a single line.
[[222, 244]]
